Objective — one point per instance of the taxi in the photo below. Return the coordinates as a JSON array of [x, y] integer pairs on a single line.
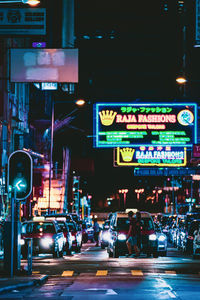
[[46, 235], [119, 227]]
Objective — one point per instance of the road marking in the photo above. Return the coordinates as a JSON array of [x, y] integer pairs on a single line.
[[108, 291], [170, 272], [137, 273], [171, 294], [67, 273], [36, 272], [102, 273]]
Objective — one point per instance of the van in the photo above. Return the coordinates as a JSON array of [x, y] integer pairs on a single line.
[[119, 226]]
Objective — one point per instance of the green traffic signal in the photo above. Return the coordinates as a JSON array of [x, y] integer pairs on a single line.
[[20, 169]]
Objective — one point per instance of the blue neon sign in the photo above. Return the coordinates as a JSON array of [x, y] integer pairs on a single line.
[[145, 124]]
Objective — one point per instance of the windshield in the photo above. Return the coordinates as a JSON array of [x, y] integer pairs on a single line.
[[123, 224], [62, 225], [71, 226], [194, 226], [40, 227], [147, 224]]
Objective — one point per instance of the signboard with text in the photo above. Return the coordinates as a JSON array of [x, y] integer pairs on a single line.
[[165, 171], [145, 124], [150, 156], [23, 21], [44, 65]]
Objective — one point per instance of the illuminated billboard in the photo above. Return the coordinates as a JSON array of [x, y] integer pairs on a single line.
[[150, 156], [145, 124], [44, 65]]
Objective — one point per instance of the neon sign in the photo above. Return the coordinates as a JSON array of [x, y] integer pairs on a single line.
[[150, 156], [152, 124]]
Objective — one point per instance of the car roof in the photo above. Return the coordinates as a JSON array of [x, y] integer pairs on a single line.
[[39, 221]]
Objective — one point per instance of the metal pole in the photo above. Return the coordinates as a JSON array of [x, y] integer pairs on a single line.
[[51, 155], [13, 198]]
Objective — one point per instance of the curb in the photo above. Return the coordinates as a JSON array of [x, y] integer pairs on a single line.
[[33, 282]]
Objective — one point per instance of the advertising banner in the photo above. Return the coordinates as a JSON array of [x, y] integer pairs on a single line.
[[44, 65], [145, 124], [150, 156]]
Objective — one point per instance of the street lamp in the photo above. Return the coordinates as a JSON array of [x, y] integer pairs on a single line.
[[138, 192], [124, 192], [29, 2], [82, 103]]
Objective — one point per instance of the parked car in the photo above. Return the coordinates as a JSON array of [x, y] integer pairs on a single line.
[[119, 226], [76, 233], [62, 221], [196, 243], [47, 237], [162, 240], [104, 235]]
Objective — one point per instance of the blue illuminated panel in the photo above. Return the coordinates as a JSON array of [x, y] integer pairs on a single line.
[[145, 124]]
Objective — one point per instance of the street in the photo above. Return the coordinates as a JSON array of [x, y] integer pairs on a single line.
[[92, 275]]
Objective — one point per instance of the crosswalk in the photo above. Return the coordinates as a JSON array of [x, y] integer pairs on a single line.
[[133, 273]]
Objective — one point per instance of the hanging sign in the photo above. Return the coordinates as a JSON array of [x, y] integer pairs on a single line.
[[153, 124], [150, 156]]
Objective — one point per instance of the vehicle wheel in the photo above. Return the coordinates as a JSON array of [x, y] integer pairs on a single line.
[[68, 252], [61, 253], [24, 255], [56, 253], [110, 254], [115, 253], [195, 256], [155, 254], [102, 246]]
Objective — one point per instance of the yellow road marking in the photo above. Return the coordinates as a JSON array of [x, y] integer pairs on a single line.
[[67, 273], [136, 272], [101, 273], [170, 272], [36, 272]]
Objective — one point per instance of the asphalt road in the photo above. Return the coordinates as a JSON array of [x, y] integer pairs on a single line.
[[92, 275]]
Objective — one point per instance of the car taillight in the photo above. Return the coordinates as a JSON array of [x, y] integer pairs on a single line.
[[190, 237]]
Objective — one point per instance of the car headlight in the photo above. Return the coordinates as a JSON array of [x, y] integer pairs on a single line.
[[22, 242], [162, 238], [106, 236], [46, 242], [121, 237], [153, 237]]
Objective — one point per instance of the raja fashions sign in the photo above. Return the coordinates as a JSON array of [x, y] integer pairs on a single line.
[[145, 124], [150, 156]]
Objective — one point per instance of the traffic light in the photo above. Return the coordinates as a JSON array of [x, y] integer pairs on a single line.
[[20, 169]]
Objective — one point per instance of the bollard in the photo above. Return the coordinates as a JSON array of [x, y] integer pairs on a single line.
[[29, 255]]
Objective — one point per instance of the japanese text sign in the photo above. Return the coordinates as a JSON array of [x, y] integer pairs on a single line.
[[153, 124]]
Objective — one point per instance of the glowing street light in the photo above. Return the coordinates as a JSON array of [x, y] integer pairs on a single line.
[[124, 192], [29, 2], [181, 80], [138, 192]]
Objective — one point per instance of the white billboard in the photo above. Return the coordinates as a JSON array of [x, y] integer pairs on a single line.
[[44, 65]]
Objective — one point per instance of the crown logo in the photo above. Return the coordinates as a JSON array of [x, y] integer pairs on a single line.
[[107, 117], [127, 154]]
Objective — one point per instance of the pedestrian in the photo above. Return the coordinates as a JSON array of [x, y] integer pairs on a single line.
[[138, 230], [131, 240], [96, 232]]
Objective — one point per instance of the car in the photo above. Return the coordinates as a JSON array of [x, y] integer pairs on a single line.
[[196, 243], [119, 226], [162, 240], [46, 235], [189, 237], [75, 218], [76, 233], [67, 216], [62, 222], [104, 235]]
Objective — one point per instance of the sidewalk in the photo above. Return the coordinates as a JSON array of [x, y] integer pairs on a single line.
[[20, 281]]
